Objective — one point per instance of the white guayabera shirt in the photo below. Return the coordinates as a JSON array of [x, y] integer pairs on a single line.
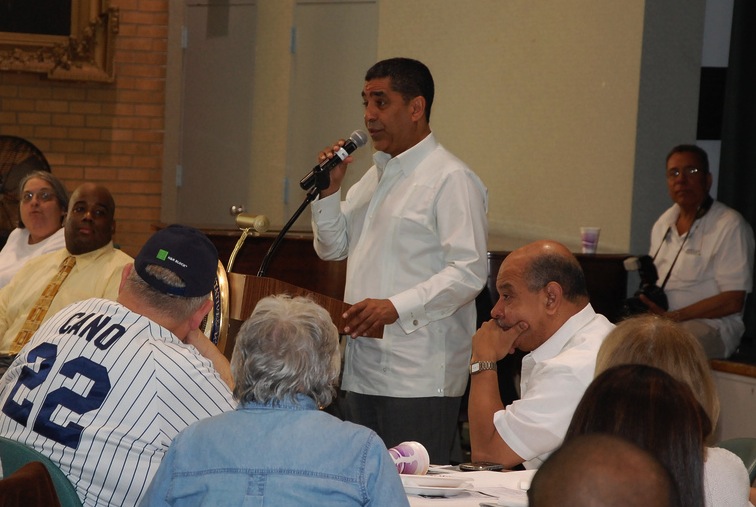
[[414, 229]]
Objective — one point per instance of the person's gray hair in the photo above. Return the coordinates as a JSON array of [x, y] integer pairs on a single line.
[[57, 186], [566, 271], [288, 346], [176, 307]]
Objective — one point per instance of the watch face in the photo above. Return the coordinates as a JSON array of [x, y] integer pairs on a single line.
[[479, 366]]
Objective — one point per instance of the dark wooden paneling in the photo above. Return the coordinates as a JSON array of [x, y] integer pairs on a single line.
[[295, 262], [605, 277]]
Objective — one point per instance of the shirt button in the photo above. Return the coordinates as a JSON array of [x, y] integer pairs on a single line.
[[414, 322]]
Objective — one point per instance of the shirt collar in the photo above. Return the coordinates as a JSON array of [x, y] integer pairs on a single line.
[[297, 402], [554, 345], [93, 255], [672, 217], [407, 160], [671, 222]]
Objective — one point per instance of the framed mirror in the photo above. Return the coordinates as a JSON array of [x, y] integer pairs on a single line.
[[64, 39]]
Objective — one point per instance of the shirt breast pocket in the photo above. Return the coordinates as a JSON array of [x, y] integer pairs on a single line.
[[690, 267], [414, 213]]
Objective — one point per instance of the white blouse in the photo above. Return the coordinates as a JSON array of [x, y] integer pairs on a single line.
[[17, 251]]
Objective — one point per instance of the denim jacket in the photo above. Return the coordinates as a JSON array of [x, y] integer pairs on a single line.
[[283, 454]]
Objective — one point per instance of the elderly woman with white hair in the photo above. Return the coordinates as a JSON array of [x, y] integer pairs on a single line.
[[278, 447]]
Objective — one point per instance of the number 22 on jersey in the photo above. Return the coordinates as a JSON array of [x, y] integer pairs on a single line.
[[70, 433]]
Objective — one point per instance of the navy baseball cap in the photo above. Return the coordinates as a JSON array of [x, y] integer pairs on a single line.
[[186, 252]]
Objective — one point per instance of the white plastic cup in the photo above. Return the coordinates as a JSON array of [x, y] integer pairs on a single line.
[[589, 237], [410, 458]]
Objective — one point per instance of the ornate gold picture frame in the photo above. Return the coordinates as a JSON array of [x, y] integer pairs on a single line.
[[85, 55]]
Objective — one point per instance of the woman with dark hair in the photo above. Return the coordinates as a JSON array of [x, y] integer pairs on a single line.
[[655, 341], [43, 201], [648, 407]]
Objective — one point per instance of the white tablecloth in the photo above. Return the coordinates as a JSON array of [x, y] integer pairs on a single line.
[[495, 488]]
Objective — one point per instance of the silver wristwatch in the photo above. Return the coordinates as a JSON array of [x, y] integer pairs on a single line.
[[479, 366]]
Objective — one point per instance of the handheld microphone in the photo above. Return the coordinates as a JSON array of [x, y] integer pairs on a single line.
[[260, 223], [358, 139]]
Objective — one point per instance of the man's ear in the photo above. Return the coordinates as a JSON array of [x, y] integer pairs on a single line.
[[197, 316], [125, 274], [418, 107], [553, 293]]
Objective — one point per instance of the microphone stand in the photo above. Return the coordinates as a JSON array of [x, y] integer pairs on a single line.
[[322, 181]]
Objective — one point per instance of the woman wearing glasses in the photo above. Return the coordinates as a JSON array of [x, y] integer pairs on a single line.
[[43, 201]]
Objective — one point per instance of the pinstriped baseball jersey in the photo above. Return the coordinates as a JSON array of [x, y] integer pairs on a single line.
[[103, 391]]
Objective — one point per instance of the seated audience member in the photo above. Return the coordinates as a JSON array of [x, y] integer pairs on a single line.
[[43, 201], [103, 387], [278, 447], [543, 309], [602, 470], [659, 342], [704, 250], [648, 407], [30, 299]]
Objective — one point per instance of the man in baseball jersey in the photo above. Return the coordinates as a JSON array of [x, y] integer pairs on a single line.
[[103, 387]]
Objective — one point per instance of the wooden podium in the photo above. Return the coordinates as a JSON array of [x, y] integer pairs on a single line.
[[245, 291]]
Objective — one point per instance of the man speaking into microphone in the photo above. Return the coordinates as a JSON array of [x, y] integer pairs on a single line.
[[414, 231]]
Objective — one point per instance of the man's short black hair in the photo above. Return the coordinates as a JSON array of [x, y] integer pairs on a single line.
[[692, 148], [409, 77]]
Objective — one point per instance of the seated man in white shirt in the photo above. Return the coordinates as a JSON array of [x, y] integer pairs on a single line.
[[703, 252], [543, 309]]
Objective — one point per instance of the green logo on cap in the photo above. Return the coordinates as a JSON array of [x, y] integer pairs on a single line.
[[162, 254]]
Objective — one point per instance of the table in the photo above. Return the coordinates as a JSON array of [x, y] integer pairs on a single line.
[[501, 484]]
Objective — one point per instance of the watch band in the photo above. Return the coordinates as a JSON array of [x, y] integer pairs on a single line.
[[479, 366]]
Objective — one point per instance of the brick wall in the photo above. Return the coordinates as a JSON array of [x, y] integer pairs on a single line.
[[109, 133]]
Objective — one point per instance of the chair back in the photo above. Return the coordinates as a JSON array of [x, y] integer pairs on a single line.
[[14, 455], [745, 449]]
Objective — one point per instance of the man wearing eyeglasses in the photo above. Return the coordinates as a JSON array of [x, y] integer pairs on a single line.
[[95, 271], [703, 252]]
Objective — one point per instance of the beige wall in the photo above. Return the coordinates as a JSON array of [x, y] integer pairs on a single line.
[[562, 108], [271, 103], [565, 109], [540, 99]]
